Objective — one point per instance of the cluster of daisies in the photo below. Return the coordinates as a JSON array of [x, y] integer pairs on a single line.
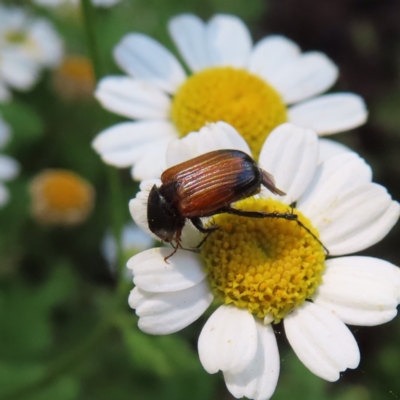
[[29, 45], [268, 101]]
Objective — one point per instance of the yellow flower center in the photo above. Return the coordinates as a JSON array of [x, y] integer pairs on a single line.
[[61, 197], [232, 95], [269, 266], [78, 68], [74, 79]]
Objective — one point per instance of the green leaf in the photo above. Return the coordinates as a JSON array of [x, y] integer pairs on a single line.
[[26, 124], [162, 355], [26, 312]]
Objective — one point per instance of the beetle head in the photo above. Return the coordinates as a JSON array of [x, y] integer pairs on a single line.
[[163, 220]]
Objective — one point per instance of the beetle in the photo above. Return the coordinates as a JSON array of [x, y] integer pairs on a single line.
[[204, 186]]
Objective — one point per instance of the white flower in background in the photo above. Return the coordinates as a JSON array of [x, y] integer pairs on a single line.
[[133, 241], [253, 88], [265, 270], [27, 44], [58, 3], [9, 168]]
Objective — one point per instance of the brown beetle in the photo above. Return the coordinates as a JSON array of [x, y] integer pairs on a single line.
[[205, 186]]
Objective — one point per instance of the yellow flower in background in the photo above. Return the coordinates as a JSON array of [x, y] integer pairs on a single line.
[[74, 79], [61, 197], [253, 88]]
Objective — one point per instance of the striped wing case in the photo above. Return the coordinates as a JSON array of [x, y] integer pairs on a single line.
[[205, 185]]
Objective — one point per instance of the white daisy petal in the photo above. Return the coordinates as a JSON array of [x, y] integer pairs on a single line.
[[334, 176], [330, 148], [144, 58], [271, 54], [331, 113], [290, 154], [356, 219], [228, 340], [306, 76], [229, 41], [18, 70], [124, 144], [153, 161], [132, 98], [9, 168], [322, 341], [189, 34], [360, 290], [4, 195], [258, 381], [138, 205], [191, 236], [165, 313], [213, 136], [49, 46], [153, 274]]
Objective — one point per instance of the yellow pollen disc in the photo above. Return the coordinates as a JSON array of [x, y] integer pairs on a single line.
[[61, 197], [235, 96], [74, 79], [269, 266]]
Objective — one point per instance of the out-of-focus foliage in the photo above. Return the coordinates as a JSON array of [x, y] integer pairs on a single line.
[[66, 331]]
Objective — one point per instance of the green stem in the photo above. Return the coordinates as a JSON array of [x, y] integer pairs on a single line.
[[117, 218], [90, 32], [112, 174]]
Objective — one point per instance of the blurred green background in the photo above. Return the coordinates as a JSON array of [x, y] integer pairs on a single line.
[[66, 332]]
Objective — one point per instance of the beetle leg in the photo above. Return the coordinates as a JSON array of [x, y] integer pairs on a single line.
[[177, 244], [308, 230], [197, 222], [259, 214], [205, 238], [175, 250]]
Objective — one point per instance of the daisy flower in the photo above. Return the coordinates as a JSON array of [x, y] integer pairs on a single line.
[[253, 88], [9, 168], [74, 79], [27, 44], [262, 271], [61, 197]]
